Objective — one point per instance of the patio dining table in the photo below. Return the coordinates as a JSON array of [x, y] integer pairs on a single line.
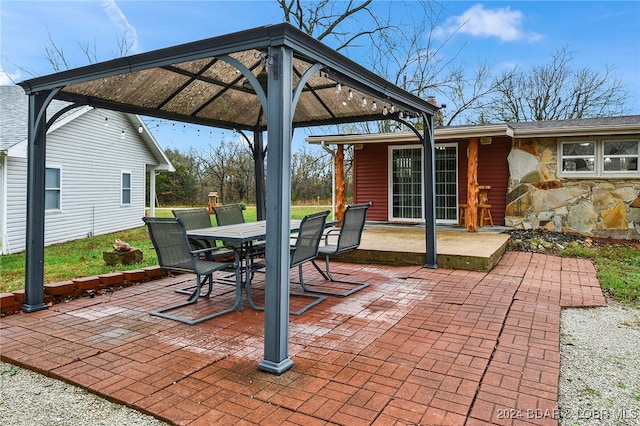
[[243, 235]]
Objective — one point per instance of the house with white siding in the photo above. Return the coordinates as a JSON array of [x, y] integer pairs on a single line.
[[97, 166]]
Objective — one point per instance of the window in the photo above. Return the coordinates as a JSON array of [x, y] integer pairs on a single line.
[[52, 189], [620, 156], [599, 158], [126, 188], [578, 156]]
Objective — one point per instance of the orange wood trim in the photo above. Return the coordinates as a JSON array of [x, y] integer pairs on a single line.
[[341, 200], [472, 186]]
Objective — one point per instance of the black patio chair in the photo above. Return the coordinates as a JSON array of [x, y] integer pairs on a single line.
[[231, 214], [304, 250], [198, 218], [347, 238], [174, 252]]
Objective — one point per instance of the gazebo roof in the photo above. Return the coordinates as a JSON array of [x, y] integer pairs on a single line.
[[220, 82], [207, 82]]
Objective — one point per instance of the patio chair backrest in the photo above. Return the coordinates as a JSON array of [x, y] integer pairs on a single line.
[[229, 214], [170, 242], [194, 218], [308, 239], [352, 226]]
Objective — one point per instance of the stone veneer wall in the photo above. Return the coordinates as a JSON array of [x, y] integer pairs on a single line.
[[538, 198]]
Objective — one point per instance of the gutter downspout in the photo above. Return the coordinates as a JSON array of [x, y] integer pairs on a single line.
[[333, 178]]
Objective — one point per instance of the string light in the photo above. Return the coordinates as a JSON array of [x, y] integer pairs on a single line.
[[338, 88], [364, 101], [122, 134], [350, 96], [385, 111], [140, 128], [106, 122], [374, 106]]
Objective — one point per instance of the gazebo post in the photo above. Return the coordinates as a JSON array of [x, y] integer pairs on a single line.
[[279, 135], [258, 164], [429, 178], [36, 168]]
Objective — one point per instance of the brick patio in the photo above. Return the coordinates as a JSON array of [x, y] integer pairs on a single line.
[[418, 346]]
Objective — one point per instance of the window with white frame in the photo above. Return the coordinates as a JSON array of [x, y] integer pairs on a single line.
[[599, 158], [620, 156], [126, 188], [52, 188], [578, 157]]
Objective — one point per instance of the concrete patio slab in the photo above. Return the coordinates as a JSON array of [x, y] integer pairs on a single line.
[[418, 346], [405, 245]]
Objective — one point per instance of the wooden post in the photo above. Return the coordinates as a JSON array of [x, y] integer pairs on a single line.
[[341, 200], [471, 219]]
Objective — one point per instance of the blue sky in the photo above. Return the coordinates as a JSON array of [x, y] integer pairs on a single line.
[[503, 34]]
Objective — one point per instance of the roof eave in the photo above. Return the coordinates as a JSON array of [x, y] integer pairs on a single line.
[[618, 129], [440, 134]]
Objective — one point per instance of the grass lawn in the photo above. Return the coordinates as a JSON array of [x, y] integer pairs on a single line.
[[82, 258], [618, 265]]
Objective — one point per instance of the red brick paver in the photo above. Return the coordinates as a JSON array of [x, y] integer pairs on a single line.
[[418, 346]]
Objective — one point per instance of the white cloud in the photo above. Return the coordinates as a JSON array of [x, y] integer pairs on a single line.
[[503, 23], [119, 19]]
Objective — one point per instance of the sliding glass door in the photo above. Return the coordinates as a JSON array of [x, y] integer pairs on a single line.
[[447, 183], [406, 192]]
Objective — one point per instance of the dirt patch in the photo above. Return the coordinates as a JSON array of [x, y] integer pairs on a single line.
[[542, 241]]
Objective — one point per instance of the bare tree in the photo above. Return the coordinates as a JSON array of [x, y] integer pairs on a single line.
[[55, 55], [310, 176], [228, 169], [404, 50], [344, 22], [556, 91]]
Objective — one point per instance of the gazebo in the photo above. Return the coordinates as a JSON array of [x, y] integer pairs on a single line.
[[273, 78]]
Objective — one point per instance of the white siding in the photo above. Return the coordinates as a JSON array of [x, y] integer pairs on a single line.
[[91, 158], [16, 204]]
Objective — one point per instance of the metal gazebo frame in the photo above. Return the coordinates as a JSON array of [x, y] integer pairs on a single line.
[[272, 78]]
